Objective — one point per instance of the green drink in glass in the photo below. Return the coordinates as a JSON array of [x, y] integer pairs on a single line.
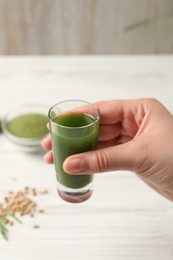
[[74, 127]]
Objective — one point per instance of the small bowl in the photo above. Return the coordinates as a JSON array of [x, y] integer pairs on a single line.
[[27, 144]]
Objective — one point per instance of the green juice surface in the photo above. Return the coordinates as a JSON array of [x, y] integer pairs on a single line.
[[67, 141]]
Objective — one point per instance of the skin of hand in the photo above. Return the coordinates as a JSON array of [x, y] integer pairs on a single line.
[[135, 135]]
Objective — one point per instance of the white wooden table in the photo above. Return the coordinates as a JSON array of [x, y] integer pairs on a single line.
[[124, 219]]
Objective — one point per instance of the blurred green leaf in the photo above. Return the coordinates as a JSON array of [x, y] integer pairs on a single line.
[[3, 229], [4, 216], [0, 126], [15, 218], [148, 22]]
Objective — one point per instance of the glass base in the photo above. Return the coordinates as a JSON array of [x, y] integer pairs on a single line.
[[75, 195]]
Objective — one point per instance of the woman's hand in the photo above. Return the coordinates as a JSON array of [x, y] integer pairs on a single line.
[[135, 135]]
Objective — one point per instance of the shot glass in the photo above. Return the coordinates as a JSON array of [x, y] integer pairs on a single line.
[[74, 126]]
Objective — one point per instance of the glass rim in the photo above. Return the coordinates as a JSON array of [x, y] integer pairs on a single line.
[[75, 127]]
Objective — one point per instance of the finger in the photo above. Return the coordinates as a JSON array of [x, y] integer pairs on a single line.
[[111, 112], [109, 132], [106, 144], [46, 143], [120, 157], [48, 157], [116, 141], [124, 139], [114, 111]]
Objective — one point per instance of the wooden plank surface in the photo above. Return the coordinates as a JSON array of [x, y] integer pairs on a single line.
[[84, 27], [125, 219]]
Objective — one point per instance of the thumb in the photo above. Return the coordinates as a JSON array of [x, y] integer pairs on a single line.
[[120, 157]]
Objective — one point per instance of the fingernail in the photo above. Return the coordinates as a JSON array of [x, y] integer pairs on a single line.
[[74, 166]]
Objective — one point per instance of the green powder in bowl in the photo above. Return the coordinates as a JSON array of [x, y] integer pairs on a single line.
[[26, 126]]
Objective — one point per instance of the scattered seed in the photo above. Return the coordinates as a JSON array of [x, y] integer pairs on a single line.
[[20, 202], [41, 211], [36, 226], [6, 221], [43, 191]]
